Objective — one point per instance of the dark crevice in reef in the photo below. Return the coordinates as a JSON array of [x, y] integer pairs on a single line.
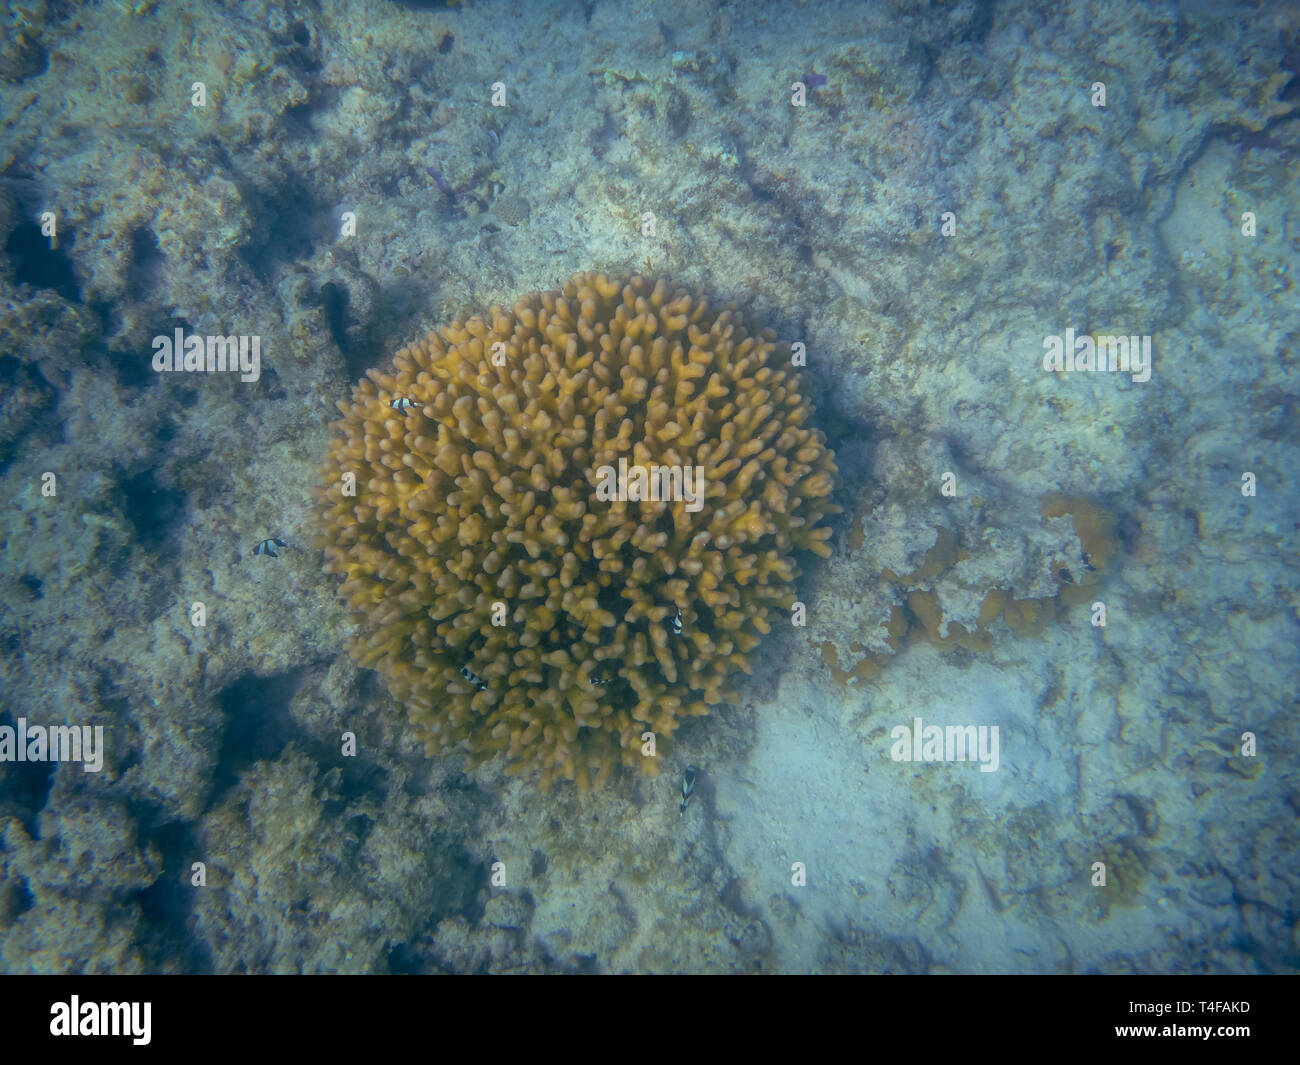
[[462, 885], [359, 353], [852, 438], [334, 301], [145, 267], [296, 120], [131, 368], [298, 53], [131, 365], [29, 402], [154, 511], [39, 265], [25, 786], [29, 60], [360, 342], [273, 388], [107, 315], [165, 936], [292, 222], [404, 960], [978, 28], [260, 725], [16, 899]]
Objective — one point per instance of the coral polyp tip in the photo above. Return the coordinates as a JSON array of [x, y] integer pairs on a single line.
[[569, 524]]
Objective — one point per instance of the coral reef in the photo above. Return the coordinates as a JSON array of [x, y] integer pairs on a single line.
[[508, 601], [1121, 743], [72, 886], [303, 873]]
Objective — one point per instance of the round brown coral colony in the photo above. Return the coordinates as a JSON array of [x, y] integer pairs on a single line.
[[508, 600]]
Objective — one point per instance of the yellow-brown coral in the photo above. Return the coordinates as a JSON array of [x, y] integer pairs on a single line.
[[510, 607]]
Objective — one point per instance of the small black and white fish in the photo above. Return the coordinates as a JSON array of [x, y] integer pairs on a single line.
[[268, 546], [598, 678], [402, 404], [677, 623], [473, 678], [688, 789]]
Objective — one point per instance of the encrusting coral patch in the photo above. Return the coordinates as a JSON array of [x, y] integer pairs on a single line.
[[511, 604], [919, 615]]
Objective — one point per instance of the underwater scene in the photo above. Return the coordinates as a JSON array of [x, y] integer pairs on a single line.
[[654, 487]]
